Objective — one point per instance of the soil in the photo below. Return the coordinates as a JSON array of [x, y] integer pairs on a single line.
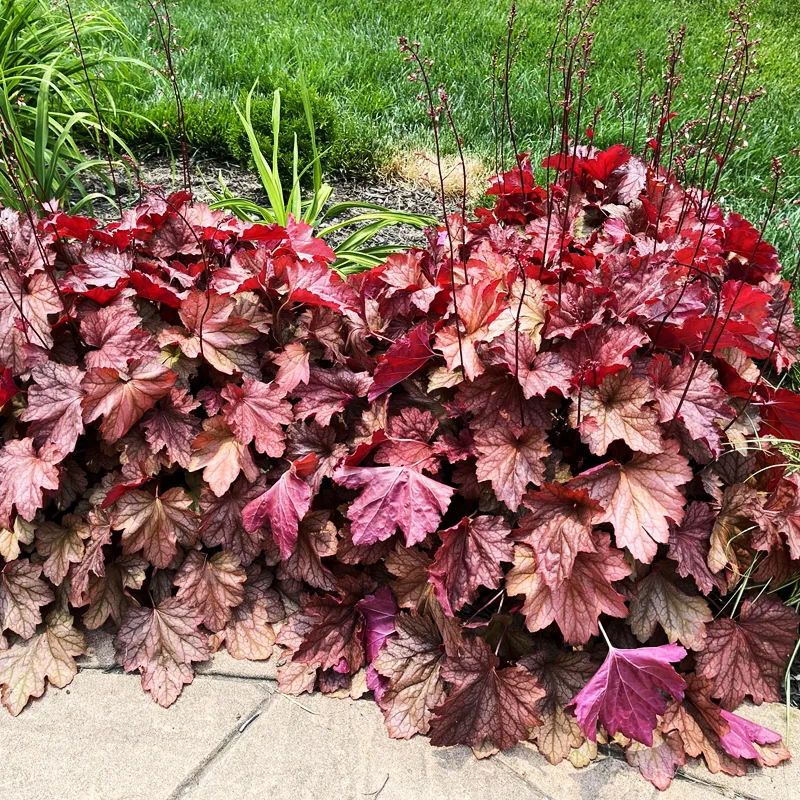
[[159, 171]]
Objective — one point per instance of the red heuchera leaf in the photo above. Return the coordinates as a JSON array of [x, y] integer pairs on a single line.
[[618, 409], [117, 334], [689, 544], [547, 372], [558, 527], [221, 520], [93, 561], [162, 643], [411, 662], [407, 281], [393, 497], [109, 596], [318, 285], [480, 306], [61, 545], [493, 401], [122, 399], [211, 585], [577, 602], [24, 308], [743, 735], [333, 631], [306, 246], [511, 459], [328, 392], [759, 258], [293, 366], [604, 162], [48, 656], [783, 509], [629, 180], [316, 539], [625, 693], [600, 352], [408, 442], [379, 611], [641, 498], [54, 406], [562, 674], [284, 504], [8, 388], [747, 656], [469, 558], [659, 601], [249, 634], [658, 762], [720, 737], [305, 439], [155, 524], [221, 457], [152, 287], [22, 593], [74, 227], [704, 404], [216, 334], [403, 358], [24, 474], [247, 270], [485, 702], [256, 411], [740, 515], [171, 426]]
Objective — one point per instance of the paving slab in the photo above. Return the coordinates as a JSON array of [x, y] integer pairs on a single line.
[[103, 738], [602, 778], [319, 748]]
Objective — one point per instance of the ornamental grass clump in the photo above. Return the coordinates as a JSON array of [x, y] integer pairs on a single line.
[[521, 484]]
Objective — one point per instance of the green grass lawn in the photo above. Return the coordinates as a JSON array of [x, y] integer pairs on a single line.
[[348, 51]]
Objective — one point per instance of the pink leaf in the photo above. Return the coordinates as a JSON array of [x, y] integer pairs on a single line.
[[625, 693], [394, 497]]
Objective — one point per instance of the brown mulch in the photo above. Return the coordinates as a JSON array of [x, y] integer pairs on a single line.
[[159, 171]]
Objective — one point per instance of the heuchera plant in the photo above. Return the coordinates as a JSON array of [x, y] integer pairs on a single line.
[[454, 470]]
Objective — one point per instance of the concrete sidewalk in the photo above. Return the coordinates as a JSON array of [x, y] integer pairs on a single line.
[[231, 735]]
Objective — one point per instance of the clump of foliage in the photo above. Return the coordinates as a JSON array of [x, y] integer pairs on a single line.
[[313, 206], [518, 483], [214, 129], [56, 99], [454, 465]]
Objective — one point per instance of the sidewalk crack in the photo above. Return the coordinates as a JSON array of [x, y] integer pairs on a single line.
[[734, 794], [193, 779], [536, 792]]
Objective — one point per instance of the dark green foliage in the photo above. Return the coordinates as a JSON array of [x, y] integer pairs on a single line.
[[214, 129]]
